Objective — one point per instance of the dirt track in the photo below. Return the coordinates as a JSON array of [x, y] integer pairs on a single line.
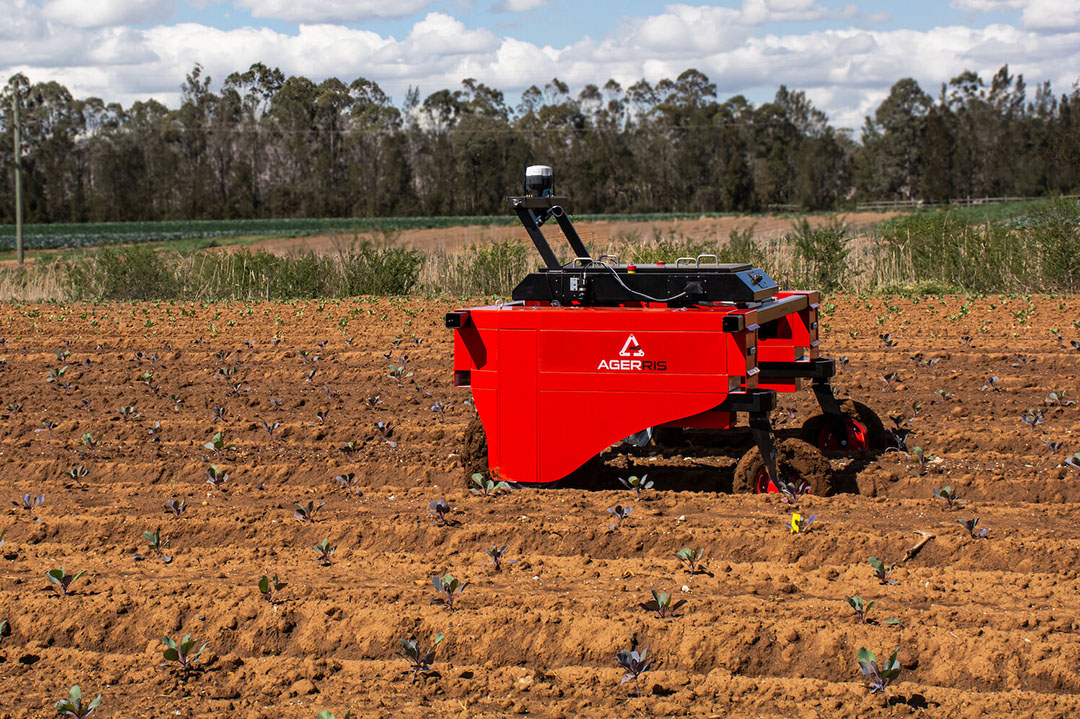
[[989, 626]]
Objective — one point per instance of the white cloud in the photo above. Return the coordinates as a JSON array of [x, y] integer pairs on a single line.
[[1053, 15], [326, 11], [101, 13], [756, 12], [845, 71], [520, 5]]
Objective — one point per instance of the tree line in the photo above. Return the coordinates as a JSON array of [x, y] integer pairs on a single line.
[[268, 145]]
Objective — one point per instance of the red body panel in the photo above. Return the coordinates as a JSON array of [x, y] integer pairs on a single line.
[[554, 386]]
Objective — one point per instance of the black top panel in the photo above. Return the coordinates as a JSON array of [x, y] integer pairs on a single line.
[[601, 284]]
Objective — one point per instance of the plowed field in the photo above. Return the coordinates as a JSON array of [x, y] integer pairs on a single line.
[[987, 627]]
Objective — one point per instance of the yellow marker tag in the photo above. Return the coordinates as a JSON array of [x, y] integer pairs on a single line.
[[796, 520]]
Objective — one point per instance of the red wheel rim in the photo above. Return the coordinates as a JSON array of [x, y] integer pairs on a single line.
[[858, 438], [763, 484]]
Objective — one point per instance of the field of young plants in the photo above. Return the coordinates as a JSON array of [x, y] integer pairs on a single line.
[[248, 510]]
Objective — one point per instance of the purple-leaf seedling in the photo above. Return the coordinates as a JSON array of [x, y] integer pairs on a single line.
[[496, 553], [888, 379], [792, 492], [440, 409], [180, 652], [484, 487], [1033, 417], [991, 384], [862, 608], [661, 604], [270, 428], [175, 507], [951, 497], [969, 526], [881, 571], [157, 546], [1052, 446], [635, 665], [269, 587], [373, 401], [216, 477], [322, 414], [638, 484], [692, 560], [800, 524], [888, 340], [419, 660], [879, 677], [62, 581], [620, 513], [325, 551], [275, 402], [73, 706], [449, 587], [29, 502], [310, 376], [220, 413], [307, 512], [439, 509], [154, 432], [350, 483], [1073, 461]]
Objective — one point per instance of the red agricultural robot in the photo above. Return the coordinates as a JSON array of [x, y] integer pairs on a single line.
[[593, 352]]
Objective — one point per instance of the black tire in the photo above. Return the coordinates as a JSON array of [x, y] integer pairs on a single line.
[[796, 459], [813, 428]]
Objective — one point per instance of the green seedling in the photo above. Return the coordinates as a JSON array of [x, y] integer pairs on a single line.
[[180, 652], [419, 660], [325, 552], [923, 459], [862, 608], [327, 715], [661, 604], [5, 630], [62, 581], [881, 571], [449, 587], [952, 500], [90, 441], [484, 487], [269, 587], [73, 706], [216, 477], [692, 560], [217, 444], [969, 526], [157, 546]]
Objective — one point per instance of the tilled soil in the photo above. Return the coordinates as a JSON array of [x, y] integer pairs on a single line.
[[987, 627]]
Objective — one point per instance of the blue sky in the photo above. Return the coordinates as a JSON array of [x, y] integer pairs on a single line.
[[845, 55]]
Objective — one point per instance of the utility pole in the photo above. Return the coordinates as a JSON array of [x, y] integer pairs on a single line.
[[18, 179]]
